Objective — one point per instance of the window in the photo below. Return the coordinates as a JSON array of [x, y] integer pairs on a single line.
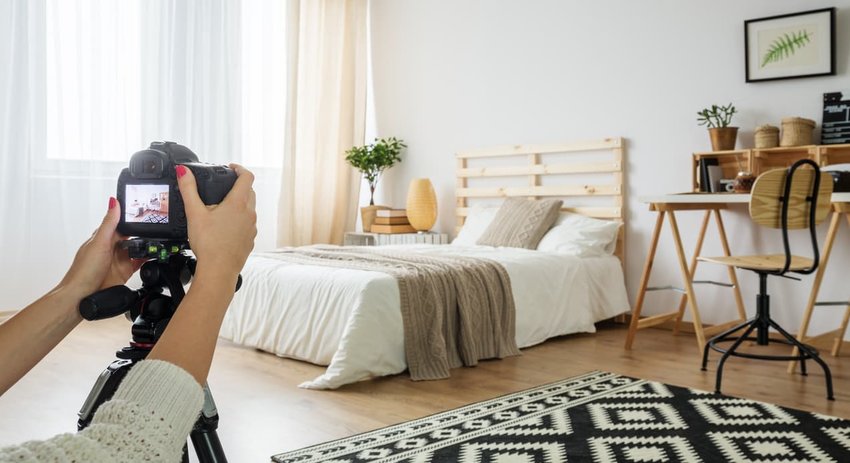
[[206, 73], [93, 79]]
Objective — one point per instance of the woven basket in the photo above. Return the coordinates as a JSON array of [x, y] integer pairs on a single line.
[[797, 131], [767, 136]]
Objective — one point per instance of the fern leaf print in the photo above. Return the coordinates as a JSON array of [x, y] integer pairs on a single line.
[[785, 46]]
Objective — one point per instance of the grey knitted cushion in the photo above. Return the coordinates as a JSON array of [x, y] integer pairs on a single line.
[[521, 223]]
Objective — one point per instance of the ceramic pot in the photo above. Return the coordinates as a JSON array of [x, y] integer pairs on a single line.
[[367, 215]]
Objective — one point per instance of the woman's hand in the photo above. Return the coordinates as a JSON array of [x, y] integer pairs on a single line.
[[222, 235], [100, 262], [28, 336]]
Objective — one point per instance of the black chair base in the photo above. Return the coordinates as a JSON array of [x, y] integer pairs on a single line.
[[762, 323]]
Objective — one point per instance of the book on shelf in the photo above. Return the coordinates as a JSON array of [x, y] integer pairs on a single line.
[[715, 174], [705, 165], [391, 213], [391, 220], [379, 228]]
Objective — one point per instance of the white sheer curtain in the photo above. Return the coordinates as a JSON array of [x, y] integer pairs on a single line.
[[326, 116], [85, 83]]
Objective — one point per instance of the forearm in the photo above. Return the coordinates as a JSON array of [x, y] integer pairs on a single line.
[[190, 339], [34, 331]]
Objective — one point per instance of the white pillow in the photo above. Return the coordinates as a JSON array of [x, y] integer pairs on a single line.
[[476, 222], [581, 236]]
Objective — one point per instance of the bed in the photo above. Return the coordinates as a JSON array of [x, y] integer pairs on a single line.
[[350, 320]]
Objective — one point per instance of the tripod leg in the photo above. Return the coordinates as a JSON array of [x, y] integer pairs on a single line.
[[204, 435], [103, 390]]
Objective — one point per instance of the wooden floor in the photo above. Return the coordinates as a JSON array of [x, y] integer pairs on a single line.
[[263, 412]]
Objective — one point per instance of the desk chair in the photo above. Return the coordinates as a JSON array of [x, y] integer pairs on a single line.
[[788, 199]]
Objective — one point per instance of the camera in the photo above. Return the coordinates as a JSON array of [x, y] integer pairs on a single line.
[[150, 201]]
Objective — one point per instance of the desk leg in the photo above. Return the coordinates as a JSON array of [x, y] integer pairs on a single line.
[[644, 280], [839, 337], [687, 280], [692, 269], [733, 276], [813, 296]]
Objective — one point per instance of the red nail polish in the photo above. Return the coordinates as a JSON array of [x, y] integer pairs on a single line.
[[181, 171], [112, 202]]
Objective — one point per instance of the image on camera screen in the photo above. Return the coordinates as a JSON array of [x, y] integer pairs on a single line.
[[146, 203]]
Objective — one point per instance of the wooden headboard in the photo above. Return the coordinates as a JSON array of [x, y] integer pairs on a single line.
[[588, 176]]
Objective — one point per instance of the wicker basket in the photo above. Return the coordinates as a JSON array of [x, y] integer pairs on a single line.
[[767, 136], [797, 131]]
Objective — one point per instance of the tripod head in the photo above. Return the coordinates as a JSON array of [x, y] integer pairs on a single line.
[[148, 307]]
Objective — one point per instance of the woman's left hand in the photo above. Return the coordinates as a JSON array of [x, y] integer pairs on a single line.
[[100, 262]]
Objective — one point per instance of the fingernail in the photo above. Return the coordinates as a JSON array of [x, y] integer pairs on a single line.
[[112, 202], [181, 170]]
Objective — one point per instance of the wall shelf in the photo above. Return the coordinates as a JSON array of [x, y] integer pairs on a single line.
[[760, 160]]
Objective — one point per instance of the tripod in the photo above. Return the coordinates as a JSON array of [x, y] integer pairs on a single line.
[[150, 310]]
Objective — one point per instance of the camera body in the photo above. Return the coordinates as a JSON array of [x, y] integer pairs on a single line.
[[150, 201]]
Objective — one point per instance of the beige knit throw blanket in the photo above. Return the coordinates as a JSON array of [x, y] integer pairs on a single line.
[[455, 310]]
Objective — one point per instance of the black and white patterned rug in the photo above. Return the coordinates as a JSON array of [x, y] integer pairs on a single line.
[[599, 417]]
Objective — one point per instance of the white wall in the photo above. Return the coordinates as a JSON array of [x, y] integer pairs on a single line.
[[457, 74]]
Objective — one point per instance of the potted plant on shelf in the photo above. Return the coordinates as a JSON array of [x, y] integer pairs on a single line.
[[372, 160], [718, 118]]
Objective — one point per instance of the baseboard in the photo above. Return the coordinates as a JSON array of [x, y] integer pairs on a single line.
[[688, 327]]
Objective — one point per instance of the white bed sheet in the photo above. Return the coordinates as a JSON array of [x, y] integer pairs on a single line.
[[350, 320]]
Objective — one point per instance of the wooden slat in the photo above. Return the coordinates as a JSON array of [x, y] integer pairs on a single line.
[[595, 212], [656, 320], [460, 202], [516, 150], [534, 179], [561, 190], [542, 169], [710, 331]]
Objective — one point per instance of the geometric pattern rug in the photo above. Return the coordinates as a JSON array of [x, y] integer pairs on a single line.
[[599, 417], [156, 217]]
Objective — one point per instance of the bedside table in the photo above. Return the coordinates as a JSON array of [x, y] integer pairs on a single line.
[[383, 239]]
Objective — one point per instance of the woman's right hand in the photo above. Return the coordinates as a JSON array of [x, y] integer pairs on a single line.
[[222, 235]]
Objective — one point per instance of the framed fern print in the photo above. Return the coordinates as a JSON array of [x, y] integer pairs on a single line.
[[790, 46]]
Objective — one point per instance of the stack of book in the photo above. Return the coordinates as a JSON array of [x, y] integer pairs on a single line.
[[392, 221]]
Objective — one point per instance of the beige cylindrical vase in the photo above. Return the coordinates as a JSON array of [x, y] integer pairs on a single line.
[[421, 204]]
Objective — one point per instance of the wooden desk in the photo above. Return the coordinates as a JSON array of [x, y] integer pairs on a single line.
[[840, 207], [711, 204], [668, 205]]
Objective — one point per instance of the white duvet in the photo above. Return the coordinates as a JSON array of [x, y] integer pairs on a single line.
[[350, 320]]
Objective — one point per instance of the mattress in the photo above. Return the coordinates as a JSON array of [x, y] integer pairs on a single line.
[[350, 320]]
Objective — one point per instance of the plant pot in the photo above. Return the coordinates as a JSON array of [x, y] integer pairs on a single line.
[[723, 138], [367, 214]]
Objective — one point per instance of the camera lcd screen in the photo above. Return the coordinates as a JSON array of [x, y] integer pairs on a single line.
[[146, 203]]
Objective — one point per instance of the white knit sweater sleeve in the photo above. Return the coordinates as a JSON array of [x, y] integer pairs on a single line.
[[147, 420]]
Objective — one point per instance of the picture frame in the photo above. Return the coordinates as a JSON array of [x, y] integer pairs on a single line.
[[790, 46]]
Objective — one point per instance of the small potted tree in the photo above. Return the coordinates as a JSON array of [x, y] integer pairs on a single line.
[[718, 118], [372, 160]]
